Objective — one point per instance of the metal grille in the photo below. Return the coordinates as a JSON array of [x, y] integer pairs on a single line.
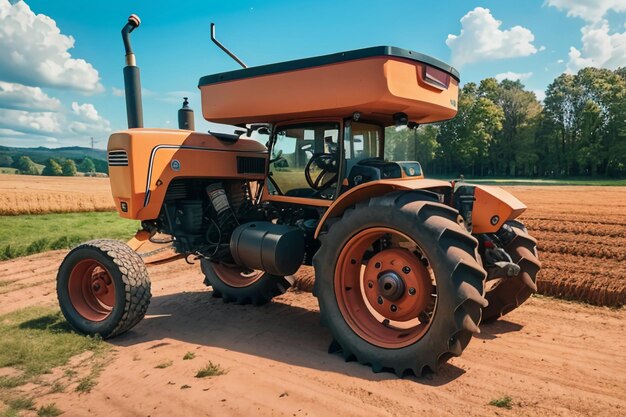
[[118, 158], [176, 190], [250, 165]]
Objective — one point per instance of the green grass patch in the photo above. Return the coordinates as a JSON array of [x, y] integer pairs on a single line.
[[164, 365], [57, 387], [29, 234], [36, 340], [210, 370], [6, 170], [189, 356], [502, 402], [49, 410], [21, 403], [15, 404]]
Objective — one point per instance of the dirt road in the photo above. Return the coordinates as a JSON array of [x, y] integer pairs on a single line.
[[553, 358]]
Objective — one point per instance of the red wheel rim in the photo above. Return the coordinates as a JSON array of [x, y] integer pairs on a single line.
[[236, 276], [384, 288], [92, 290]]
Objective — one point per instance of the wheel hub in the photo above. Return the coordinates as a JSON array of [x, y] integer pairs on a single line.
[[387, 298], [390, 285], [397, 284], [91, 290]]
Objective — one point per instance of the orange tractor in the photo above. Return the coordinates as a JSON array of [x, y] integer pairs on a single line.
[[405, 267]]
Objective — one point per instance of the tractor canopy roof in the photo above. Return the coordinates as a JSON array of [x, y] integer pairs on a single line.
[[377, 82]]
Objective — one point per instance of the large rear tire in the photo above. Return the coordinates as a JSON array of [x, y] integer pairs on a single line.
[[103, 288], [506, 294], [235, 284], [432, 305]]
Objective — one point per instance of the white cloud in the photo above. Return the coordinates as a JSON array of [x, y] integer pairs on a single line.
[[66, 125], [176, 97], [87, 110], [35, 52], [31, 122], [513, 76], [10, 137], [117, 92], [482, 39], [600, 48], [21, 97], [589, 10]]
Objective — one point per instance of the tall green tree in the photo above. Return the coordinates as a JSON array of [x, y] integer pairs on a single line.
[[69, 168], [511, 151], [87, 166], [52, 168], [26, 166], [464, 141], [6, 161]]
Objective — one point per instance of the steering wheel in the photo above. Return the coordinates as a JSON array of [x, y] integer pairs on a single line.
[[327, 163]]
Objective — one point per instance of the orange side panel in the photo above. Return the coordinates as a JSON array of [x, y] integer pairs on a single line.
[[373, 189], [493, 203], [377, 87], [158, 156]]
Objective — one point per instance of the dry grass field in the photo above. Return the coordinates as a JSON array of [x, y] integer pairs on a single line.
[[23, 194]]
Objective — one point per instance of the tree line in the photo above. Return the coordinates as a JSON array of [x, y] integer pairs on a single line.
[[52, 167], [502, 129]]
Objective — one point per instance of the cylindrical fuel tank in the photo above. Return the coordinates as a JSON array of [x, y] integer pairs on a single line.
[[274, 248]]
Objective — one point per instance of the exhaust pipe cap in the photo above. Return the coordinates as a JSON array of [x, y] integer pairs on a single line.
[[134, 20]]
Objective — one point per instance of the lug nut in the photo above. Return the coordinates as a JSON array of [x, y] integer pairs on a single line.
[[394, 308], [370, 284], [412, 291], [377, 265], [380, 299], [406, 269]]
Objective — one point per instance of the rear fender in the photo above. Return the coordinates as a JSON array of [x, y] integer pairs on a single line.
[[375, 189]]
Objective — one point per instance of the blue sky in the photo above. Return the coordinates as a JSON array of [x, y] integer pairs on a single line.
[[55, 92]]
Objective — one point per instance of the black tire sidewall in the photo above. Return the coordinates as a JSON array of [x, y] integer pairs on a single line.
[[259, 292], [76, 320], [405, 221]]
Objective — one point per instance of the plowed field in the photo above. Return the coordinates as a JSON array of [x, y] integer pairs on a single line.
[[582, 241]]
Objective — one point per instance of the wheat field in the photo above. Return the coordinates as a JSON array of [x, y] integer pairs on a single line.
[[22, 194]]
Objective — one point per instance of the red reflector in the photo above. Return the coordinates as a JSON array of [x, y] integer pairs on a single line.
[[488, 244], [436, 77]]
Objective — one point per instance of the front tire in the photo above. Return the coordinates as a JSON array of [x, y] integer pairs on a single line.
[[418, 247], [233, 283], [103, 288]]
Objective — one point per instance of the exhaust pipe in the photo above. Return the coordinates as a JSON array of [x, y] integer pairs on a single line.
[[132, 82]]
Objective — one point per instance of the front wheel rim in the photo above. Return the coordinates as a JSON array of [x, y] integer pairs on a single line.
[[236, 276], [384, 288], [91, 290]]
